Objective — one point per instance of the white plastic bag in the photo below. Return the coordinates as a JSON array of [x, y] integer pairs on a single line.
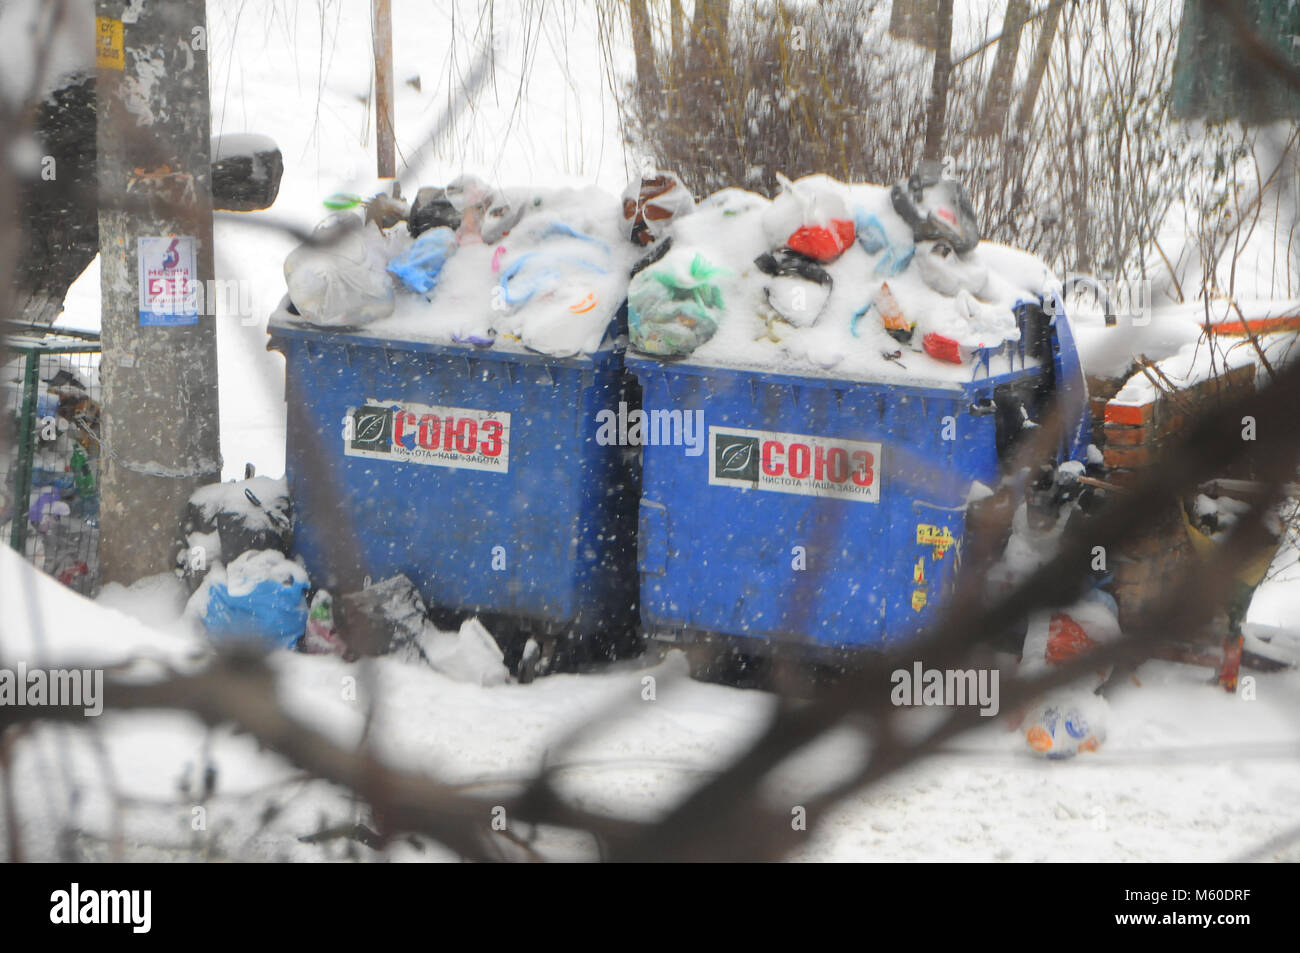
[[341, 281]]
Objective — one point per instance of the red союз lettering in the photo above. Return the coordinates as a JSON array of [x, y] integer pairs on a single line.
[[459, 434], [832, 465]]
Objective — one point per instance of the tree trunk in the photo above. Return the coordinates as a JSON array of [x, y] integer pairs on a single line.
[[57, 218], [160, 437], [997, 95], [937, 111], [1038, 66], [677, 27], [643, 48], [708, 49]]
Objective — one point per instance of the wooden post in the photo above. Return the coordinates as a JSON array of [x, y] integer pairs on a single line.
[[383, 44], [160, 430]]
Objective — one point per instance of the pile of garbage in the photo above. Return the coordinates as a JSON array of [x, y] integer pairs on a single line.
[[542, 269], [62, 509], [854, 279], [244, 587], [235, 562], [1071, 719]]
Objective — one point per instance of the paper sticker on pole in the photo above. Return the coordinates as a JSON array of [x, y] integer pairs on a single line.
[[169, 285], [109, 51], [795, 463], [457, 437]]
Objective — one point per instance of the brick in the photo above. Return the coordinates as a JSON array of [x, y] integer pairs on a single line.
[[1243, 377], [1172, 423], [1129, 457], [1135, 415], [1104, 388], [1120, 436]]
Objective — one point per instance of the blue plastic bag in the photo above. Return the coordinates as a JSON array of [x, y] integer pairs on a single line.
[[540, 272], [874, 239], [419, 266], [273, 613]]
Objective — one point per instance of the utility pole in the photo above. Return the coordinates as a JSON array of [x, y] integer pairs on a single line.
[[160, 429], [382, 14]]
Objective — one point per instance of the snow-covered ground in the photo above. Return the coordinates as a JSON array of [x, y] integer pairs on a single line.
[[1189, 773]]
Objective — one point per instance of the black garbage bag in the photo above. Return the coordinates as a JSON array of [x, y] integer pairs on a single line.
[[385, 617], [225, 520], [936, 208], [431, 209]]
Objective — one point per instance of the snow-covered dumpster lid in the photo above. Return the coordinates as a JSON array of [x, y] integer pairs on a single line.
[[879, 307], [544, 272], [828, 280]]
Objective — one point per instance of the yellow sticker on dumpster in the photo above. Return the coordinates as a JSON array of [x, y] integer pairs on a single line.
[[109, 52], [940, 537], [918, 600]]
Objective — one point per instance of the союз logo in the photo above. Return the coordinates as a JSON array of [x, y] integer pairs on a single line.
[[795, 463], [457, 437]]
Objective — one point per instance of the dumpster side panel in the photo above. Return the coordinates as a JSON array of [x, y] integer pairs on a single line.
[[784, 566], [536, 538]]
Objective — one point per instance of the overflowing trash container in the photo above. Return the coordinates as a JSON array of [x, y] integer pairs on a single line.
[[824, 514], [746, 420], [858, 365], [49, 468], [444, 383]]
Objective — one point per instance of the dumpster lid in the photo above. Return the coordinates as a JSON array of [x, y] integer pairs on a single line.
[[553, 283], [286, 326]]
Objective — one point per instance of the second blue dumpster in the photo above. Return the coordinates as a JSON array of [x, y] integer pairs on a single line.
[[827, 516]]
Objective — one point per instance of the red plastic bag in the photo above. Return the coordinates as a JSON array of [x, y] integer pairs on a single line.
[[810, 217], [1066, 640], [822, 243], [942, 348]]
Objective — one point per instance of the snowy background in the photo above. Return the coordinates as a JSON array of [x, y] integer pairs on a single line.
[[1188, 772]]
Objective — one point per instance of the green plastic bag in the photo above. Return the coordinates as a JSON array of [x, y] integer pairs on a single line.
[[670, 314]]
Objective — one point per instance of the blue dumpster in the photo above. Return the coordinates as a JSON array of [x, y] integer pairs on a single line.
[[826, 516], [476, 473]]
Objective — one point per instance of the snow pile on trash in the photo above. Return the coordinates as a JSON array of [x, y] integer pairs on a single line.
[[244, 586], [1071, 719], [826, 279], [235, 561], [542, 269], [834, 280]]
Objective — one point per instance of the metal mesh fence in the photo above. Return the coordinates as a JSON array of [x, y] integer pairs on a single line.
[[49, 457]]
